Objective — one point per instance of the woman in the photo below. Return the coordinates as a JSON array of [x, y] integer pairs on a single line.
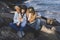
[[23, 20], [32, 21], [19, 21], [16, 21]]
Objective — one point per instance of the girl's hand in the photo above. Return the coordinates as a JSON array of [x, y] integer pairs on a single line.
[[32, 18], [18, 24], [21, 19]]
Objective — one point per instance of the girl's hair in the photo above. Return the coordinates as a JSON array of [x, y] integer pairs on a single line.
[[17, 7], [24, 8], [31, 10]]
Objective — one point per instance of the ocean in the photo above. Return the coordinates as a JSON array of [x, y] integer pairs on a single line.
[[51, 7]]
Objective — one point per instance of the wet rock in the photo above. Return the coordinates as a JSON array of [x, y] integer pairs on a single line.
[[52, 22], [56, 23], [1, 22], [4, 21], [57, 28], [7, 34], [7, 21], [4, 8]]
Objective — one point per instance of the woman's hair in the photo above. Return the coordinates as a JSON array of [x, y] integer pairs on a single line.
[[16, 7], [24, 8], [19, 7], [31, 10]]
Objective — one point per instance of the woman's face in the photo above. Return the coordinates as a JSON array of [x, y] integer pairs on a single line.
[[17, 8], [30, 9], [23, 11]]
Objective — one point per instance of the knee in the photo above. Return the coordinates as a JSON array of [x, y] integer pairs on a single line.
[[38, 20], [23, 24]]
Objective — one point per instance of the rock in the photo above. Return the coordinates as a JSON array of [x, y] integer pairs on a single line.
[[4, 21], [6, 34], [1, 22]]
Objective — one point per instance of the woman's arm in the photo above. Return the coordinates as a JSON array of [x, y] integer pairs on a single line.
[[38, 16], [32, 18], [15, 18]]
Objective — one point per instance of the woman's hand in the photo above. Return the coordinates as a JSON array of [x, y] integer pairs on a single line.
[[20, 19], [32, 18], [18, 24]]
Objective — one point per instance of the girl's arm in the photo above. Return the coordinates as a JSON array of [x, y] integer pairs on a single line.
[[32, 18], [15, 18]]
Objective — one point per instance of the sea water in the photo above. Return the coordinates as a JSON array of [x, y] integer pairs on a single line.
[[51, 7]]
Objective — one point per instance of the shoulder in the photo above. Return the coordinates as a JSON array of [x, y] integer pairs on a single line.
[[38, 14], [16, 13]]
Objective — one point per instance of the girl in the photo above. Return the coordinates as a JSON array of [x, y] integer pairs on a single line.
[[23, 21], [16, 21], [19, 21], [32, 21]]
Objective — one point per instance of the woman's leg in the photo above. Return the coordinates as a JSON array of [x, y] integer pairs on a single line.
[[37, 26], [14, 26], [23, 24]]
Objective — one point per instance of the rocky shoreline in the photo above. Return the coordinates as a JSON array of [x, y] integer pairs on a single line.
[[48, 31]]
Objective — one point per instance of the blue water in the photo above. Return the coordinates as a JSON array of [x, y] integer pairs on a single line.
[[52, 8]]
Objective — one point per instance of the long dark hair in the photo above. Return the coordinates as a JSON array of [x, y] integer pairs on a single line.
[[24, 8]]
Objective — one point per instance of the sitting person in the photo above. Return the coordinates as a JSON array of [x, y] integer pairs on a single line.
[[19, 21], [33, 21]]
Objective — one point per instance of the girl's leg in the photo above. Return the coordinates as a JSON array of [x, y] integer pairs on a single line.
[[12, 25], [16, 28], [37, 26], [23, 24]]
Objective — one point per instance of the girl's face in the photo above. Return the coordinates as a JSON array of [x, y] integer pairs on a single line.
[[17, 8], [30, 9], [23, 11]]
